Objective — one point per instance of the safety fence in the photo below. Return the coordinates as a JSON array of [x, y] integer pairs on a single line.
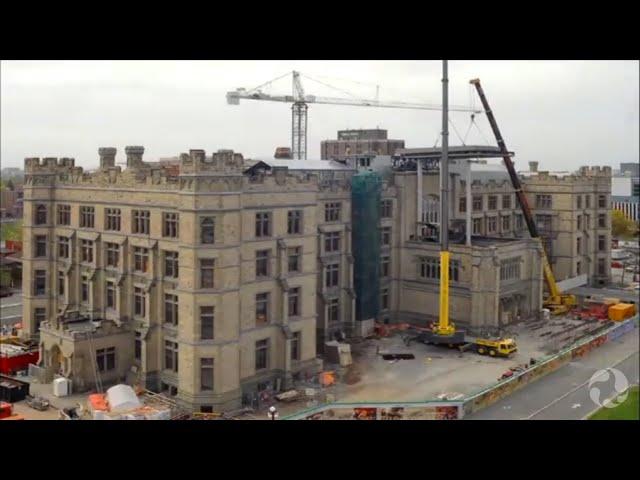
[[453, 410]]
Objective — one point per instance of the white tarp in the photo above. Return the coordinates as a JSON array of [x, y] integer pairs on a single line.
[[572, 282], [122, 398]]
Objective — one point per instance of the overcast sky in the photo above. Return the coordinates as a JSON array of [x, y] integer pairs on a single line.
[[563, 114]]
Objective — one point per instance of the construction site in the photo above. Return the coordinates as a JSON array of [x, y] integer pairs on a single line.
[[223, 287]]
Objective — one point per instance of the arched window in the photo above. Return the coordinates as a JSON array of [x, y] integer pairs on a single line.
[[41, 214], [207, 230]]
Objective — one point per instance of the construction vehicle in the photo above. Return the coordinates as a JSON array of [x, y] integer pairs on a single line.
[[557, 302], [444, 332]]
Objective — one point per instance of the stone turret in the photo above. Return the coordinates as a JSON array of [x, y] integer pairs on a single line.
[[107, 157], [134, 156]]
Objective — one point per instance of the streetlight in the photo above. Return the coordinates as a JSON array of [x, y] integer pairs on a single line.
[[273, 412]]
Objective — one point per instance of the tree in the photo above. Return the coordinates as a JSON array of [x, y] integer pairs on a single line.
[[621, 226], [10, 185], [11, 231]]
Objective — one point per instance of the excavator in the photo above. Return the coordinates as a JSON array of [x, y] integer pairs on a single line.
[[557, 302]]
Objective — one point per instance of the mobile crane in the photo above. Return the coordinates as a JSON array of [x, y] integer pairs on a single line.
[[556, 301], [444, 332]]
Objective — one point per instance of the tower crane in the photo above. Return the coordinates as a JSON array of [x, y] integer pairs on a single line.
[[300, 102]]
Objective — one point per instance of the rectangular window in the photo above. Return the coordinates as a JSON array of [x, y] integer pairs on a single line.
[[113, 254], [262, 354], [41, 215], [332, 242], [477, 226], [84, 290], [477, 203], [543, 201], [333, 310], [64, 215], [111, 294], [578, 268], [492, 224], [602, 243], [510, 269], [430, 268], [493, 202], [294, 302], [86, 251], [141, 221], [106, 359], [207, 230], [462, 204], [579, 201], [39, 316], [602, 220], [506, 201], [262, 263], [332, 211], [385, 236], [263, 224], [61, 278], [140, 259], [87, 215], [587, 201], [170, 223], [293, 256], [171, 264], [206, 374], [137, 346], [544, 222], [519, 221], [206, 272], [506, 224], [579, 222], [294, 222], [602, 201], [40, 282], [385, 266], [41, 245], [112, 219], [295, 346], [579, 246], [262, 308], [587, 222], [386, 209], [171, 356], [332, 275], [601, 267], [171, 309], [206, 323], [64, 247], [139, 302], [384, 299]]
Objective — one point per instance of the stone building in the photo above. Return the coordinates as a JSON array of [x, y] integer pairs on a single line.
[[204, 284], [573, 215]]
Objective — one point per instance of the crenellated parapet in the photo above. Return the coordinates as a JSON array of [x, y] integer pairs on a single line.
[[584, 176], [221, 162]]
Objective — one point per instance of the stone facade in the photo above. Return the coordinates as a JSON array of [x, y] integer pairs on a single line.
[[133, 299]]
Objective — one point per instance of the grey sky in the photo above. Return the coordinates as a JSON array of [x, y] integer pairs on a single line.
[[561, 113]]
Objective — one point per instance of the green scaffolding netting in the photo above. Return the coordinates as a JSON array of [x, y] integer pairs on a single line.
[[366, 188]]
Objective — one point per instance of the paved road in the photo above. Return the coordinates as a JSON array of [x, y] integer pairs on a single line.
[[564, 394], [11, 309]]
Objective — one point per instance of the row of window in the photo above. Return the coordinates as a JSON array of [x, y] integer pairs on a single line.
[[602, 245], [481, 226], [477, 203], [430, 269], [140, 220], [602, 201]]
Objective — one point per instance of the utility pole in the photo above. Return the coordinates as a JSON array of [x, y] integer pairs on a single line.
[[444, 162]]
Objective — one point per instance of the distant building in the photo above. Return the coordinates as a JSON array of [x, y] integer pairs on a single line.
[[625, 191], [357, 142], [11, 202]]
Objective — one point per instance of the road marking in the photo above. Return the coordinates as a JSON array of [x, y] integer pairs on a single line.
[[577, 388]]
